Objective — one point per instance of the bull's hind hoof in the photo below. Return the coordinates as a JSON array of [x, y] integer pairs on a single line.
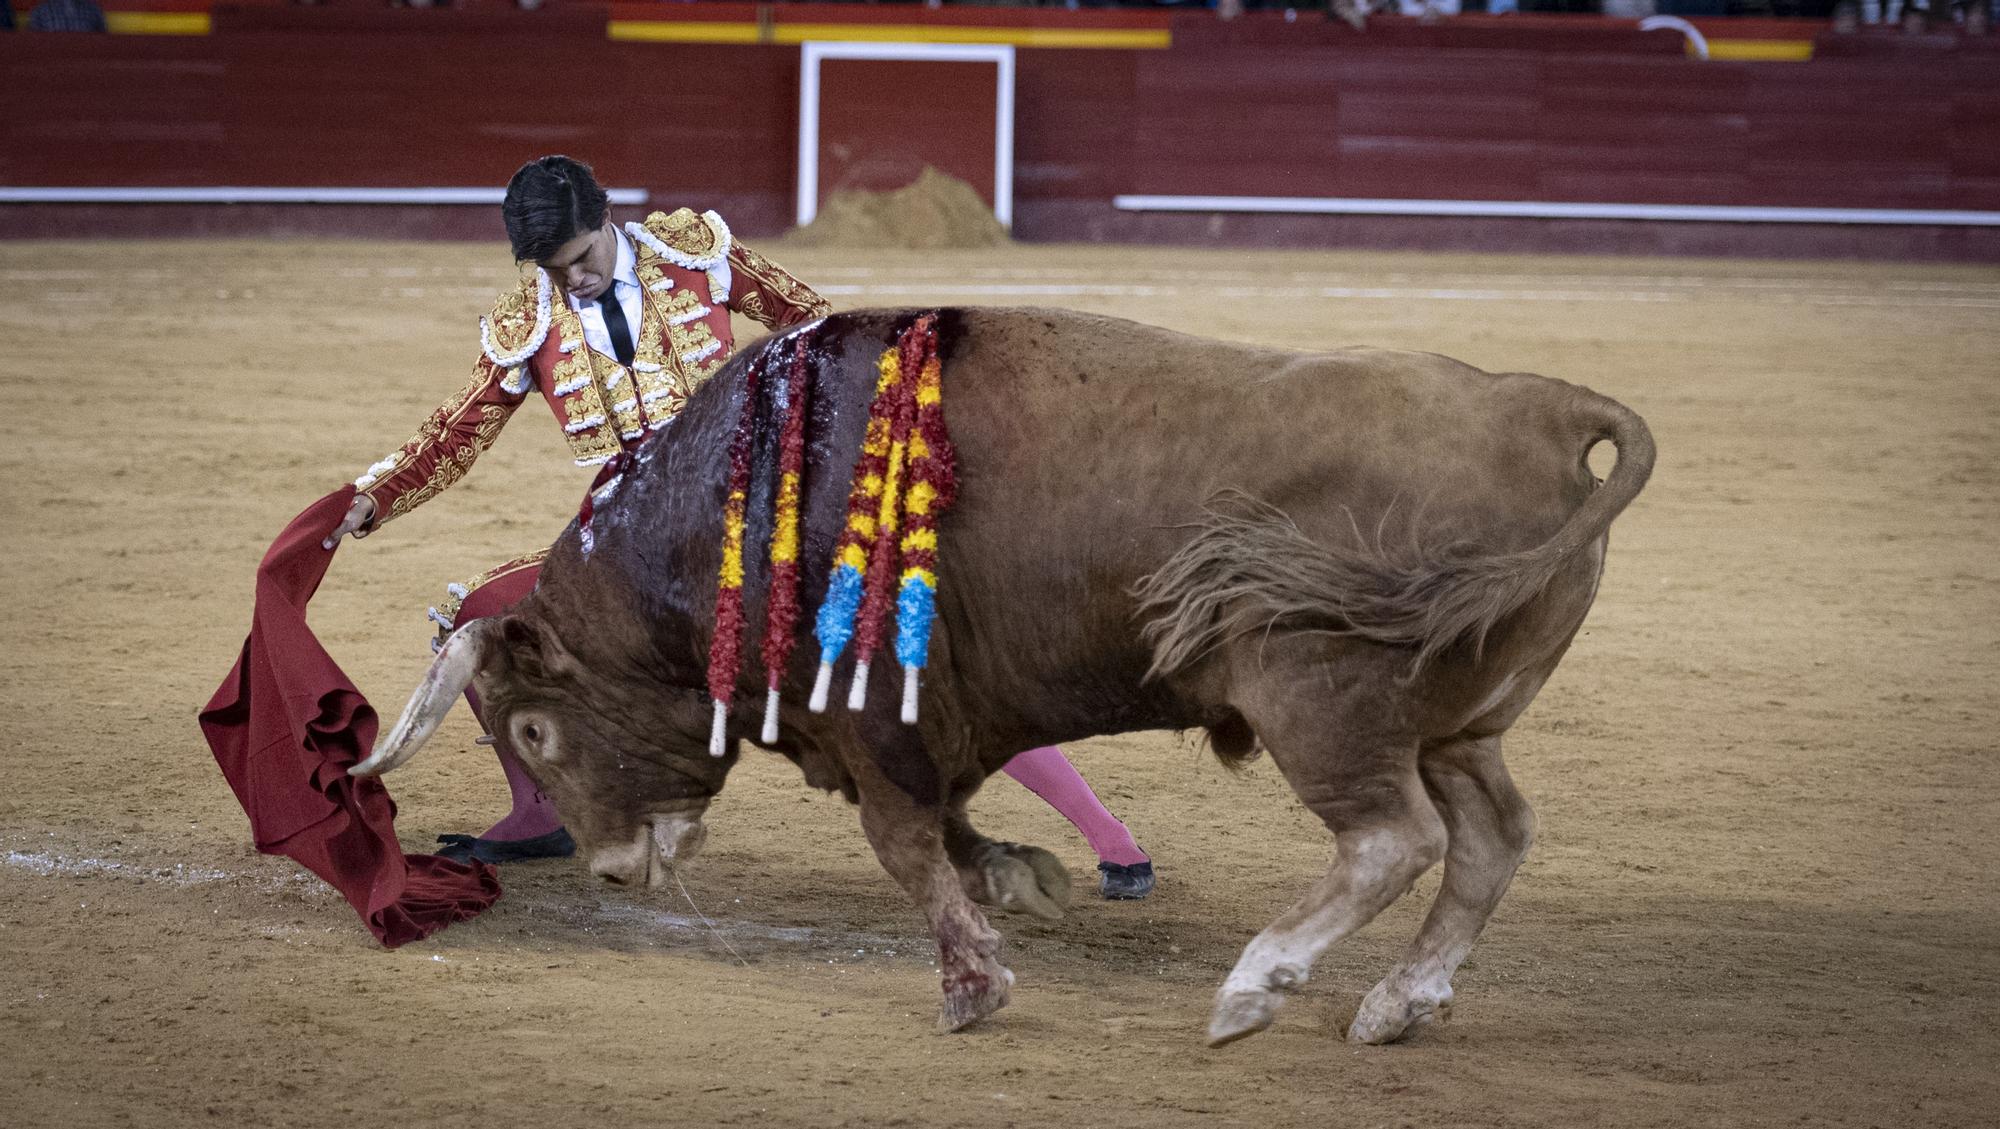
[[1387, 1015], [971, 998], [1241, 1013], [1025, 879]]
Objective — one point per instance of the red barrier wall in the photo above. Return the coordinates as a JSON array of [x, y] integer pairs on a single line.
[[384, 108], [389, 102], [1524, 126]]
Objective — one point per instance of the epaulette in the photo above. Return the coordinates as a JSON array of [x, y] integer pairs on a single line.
[[693, 242], [518, 324]]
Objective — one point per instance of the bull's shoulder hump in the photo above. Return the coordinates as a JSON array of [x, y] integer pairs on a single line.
[[1084, 329]]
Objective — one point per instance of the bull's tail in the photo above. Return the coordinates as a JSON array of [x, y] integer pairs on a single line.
[[1251, 569]]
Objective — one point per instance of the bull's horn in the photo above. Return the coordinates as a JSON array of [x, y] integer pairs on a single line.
[[447, 678]]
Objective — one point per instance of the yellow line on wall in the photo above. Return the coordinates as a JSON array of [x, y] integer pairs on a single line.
[[1761, 50], [1143, 39], [682, 31], [157, 23]]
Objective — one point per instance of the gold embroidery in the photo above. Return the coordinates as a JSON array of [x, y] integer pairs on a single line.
[[585, 404], [774, 278], [665, 344], [514, 319], [685, 231], [590, 447], [752, 306], [700, 373], [691, 339], [625, 406], [652, 373], [454, 463]]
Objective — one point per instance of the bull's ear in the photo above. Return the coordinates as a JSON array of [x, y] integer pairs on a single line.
[[533, 649], [520, 645]]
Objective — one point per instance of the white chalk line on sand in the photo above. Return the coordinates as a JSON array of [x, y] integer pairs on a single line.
[[180, 874], [781, 934], [48, 864]]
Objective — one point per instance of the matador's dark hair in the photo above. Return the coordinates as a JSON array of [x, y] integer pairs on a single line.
[[551, 201]]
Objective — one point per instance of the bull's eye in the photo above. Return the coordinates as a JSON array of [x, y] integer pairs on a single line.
[[534, 736]]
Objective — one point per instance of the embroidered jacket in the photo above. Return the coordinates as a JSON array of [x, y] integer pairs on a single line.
[[691, 274]]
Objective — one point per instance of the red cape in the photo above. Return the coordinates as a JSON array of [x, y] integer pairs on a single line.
[[286, 725]]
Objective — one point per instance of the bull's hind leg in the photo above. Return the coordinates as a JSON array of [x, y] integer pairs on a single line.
[[1491, 827], [1360, 777], [909, 839]]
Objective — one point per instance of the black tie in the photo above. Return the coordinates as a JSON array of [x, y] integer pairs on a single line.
[[616, 325]]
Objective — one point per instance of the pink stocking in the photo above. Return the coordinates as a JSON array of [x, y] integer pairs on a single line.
[[533, 814], [1048, 774]]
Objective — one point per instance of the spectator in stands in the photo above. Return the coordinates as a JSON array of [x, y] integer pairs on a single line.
[[1355, 12], [1913, 15], [66, 15], [1428, 10], [6, 15]]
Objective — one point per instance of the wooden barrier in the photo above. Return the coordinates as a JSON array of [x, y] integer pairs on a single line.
[[388, 98]]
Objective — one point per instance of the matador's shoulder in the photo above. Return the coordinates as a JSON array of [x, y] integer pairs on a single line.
[[519, 322], [697, 242]]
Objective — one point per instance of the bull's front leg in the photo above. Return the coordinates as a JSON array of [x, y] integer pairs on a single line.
[[1009, 876], [909, 839]]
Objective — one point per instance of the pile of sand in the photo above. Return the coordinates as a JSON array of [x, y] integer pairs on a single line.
[[938, 211]]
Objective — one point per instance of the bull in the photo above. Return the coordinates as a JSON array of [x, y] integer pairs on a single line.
[[1365, 562]]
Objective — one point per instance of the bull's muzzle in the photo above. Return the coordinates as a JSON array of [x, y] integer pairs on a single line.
[[650, 857]]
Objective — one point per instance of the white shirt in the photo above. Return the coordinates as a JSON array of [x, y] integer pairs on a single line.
[[625, 287]]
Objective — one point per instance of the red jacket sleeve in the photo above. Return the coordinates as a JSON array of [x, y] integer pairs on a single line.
[[764, 291], [444, 448]]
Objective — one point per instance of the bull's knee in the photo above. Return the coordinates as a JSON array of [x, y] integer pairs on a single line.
[[1517, 829], [1403, 851]]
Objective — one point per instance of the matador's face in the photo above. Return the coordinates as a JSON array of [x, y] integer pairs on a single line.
[[583, 265]]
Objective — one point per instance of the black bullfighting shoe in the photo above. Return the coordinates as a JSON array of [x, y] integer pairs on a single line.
[[1120, 883], [556, 844]]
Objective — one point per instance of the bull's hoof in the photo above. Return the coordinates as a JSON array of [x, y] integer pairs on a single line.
[[972, 997], [1026, 879], [1388, 1014], [1241, 1013]]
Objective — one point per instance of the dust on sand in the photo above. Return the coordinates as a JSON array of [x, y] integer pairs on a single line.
[[1763, 892]]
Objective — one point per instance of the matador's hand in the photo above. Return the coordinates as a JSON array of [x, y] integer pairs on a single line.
[[358, 515]]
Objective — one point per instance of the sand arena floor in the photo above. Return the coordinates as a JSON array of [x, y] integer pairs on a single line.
[[1764, 889]]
